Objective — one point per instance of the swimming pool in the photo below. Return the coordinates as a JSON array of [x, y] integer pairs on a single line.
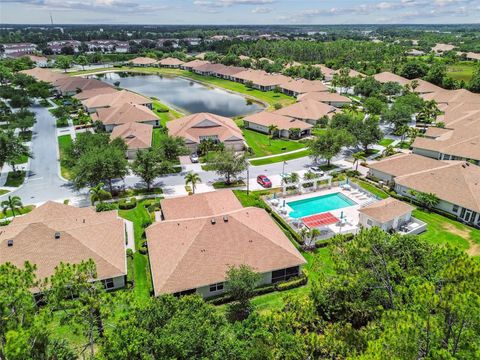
[[319, 204]]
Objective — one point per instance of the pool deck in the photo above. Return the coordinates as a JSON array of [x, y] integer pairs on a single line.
[[350, 213]]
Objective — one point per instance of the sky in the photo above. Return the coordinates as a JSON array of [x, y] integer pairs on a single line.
[[240, 11]]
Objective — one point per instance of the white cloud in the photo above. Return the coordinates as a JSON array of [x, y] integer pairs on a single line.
[[262, 10]]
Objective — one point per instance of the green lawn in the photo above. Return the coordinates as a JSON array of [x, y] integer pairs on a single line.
[[269, 97], [385, 142], [156, 136], [441, 230], [461, 71], [262, 145], [26, 209], [279, 158], [371, 188], [15, 179], [64, 142], [3, 192], [164, 112], [21, 160], [139, 216], [403, 145]]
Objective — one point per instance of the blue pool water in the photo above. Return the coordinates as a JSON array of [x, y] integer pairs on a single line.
[[319, 204]]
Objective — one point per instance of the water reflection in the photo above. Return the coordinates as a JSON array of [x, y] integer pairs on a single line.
[[184, 94]]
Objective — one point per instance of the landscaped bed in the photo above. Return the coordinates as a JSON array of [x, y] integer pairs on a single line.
[[15, 179], [64, 141]]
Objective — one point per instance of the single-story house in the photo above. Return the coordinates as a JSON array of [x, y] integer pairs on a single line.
[[302, 86], [326, 71], [453, 96], [473, 56], [191, 65], [87, 94], [261, 122], [351, 73], [74, 85], [199, 127], [137, 136], [40, 61], [53, 233], [170, 62], [326, 97], [309, 111], [425, 87], [125, 114], [143, 62], [115, 99], [388, 76], [208, 69], [441, 48], [415, 52], [387, 214], [228, 72], [45, 75], [192, 254]]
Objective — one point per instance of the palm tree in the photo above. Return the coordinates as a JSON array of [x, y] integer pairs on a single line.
[[428, 113], [412, 134], [293, 178], [313, 234], [402, 130], [98, 193], [304, 233], [388, 151], [12, 203], [359, 156], [192, 178], [272, 130]]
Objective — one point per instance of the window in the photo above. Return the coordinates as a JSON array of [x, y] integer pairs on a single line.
[[369, 222], [455, 208], [108, 283], [216, 287], [185, 292], [285, 274]]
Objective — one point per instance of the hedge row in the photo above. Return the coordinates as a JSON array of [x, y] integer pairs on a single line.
[[125, 204]]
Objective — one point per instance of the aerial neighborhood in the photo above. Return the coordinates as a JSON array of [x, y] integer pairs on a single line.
[[239, 192]]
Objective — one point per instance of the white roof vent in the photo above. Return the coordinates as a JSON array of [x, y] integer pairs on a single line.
[[213, 221]]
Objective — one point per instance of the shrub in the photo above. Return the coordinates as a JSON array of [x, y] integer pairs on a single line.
[[125, 204], [277, 106], [105, 207], [62, 122], [143, 250], [292, 283], [130, 253]]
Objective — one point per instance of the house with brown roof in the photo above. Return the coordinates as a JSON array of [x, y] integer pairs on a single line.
[[40, 61], [441, 48], [308, 110], [191, 252], [228, 72], [301, 86], [75, 84], [45, 75], [137, 136], [287, 127], [260, 79], [191, 65], [143, 62], [455, 183], [115, 99], [126, 113], [326, 71], [170, 62], [200, 127], [208, 69], [53, 233], [87, 94], [327, 97], [351, 73], [389, 215], [424, 87], [388, 76]]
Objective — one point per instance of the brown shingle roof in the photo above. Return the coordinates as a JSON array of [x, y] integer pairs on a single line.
[[453, 96], [87, 94], [143, 61], [198, 205], [170, 61], [326, 71], [266, 118], [425, 87], [403, 164], [306, 110], [194, 126], [194, 64], [116, 99], [190, 253], [324, 96], [46, 75], [456, 182], [135, 135], [302, 86], [388, 76], [78, 83], [123, 114], [386, 210], [84, 234]]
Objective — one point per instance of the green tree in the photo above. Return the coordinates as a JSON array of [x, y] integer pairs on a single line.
[[436, 74], [192, 178], [15, 149], [98, 193], [228, 164], [82, 60], [149, 165], [426, 200], [414, 70], [368, 132], [474, 83], [171, 147], [328, 143], [241, 282], [272, 131], [357, 158], [63, 62], [13, 203], [374, 106]]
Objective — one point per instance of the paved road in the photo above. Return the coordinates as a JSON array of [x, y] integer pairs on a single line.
[[43, 182]]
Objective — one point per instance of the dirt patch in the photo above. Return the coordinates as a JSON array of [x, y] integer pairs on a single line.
[[474, 248]]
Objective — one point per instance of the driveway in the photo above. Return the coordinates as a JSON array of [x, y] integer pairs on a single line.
[[43, 182]]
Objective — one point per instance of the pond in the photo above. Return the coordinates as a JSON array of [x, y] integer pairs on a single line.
[[183, 94]]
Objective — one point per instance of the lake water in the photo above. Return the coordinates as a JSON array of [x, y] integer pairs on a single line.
[[186, 95]]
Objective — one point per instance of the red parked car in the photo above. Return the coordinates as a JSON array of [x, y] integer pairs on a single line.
[[264, 181]]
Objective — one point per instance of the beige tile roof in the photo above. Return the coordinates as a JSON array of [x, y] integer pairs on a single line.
[[143, 61], [352, 73], [388, 76], [442, 47], [425, 87], [198, 205], [463, 141], [306, 110], [403, 164], [87, 94], [262, 78], [302, 86], [324, 96], [473, 56], [84, 234], [170, 61], [266, 118], [116, 99], [36, 58], [76, 83], [386, 210], [195, 63], [123, 114], [326, 71], [453, 96], [456, 182], [210, 67], [192, 127], [135, 135], [230, 70], [190, 253], [45, 75]]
